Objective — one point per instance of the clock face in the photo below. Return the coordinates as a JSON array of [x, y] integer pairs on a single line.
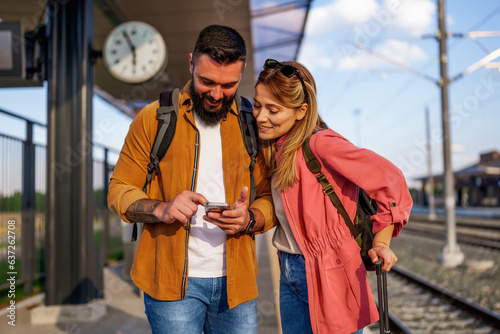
[[134, 52]]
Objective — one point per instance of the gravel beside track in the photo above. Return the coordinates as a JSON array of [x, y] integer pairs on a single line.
[[477, 279], [470, 280]]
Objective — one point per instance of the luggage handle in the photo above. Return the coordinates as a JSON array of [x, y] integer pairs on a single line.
[[383, 307]]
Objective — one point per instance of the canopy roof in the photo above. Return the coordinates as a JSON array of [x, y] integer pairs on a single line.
[[272, 29]]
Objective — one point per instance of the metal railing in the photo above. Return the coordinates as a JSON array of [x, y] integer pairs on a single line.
[[22, 207]]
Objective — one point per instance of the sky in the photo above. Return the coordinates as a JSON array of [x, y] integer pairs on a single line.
[[366, 97], [356, 50]]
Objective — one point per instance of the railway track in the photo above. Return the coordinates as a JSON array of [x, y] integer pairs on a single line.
[[474, 231], [482, 223], [463, 238], [418, 306]]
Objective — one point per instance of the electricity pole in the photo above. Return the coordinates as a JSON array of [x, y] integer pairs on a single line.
[[451, 256]]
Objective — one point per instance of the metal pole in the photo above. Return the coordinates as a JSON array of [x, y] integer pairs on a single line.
[[28, 212], [451, 255], [70, 272], [430, 179], [105, 211]]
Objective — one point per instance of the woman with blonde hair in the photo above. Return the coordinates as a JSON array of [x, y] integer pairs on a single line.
[[323, 284]]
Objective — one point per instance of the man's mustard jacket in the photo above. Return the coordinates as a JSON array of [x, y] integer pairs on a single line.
[[160, 260]]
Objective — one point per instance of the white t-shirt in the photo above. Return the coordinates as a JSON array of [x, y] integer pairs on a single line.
[[283, 238], [207, 243]]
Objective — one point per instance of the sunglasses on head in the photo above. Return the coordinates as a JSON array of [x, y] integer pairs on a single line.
[[288, 71]]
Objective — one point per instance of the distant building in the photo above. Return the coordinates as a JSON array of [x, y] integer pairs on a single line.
[[476, 185]]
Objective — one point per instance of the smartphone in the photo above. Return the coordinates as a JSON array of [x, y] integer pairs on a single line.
[[216, 207]]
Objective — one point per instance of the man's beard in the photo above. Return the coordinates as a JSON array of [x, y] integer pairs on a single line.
[[209, 115]]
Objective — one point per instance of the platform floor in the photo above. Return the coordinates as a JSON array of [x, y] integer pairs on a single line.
[[125, 307]]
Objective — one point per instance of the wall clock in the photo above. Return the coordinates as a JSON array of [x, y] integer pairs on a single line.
[[135, 52]]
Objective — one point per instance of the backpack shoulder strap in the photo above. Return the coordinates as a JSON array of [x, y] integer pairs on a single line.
[[166, 115], [315, 167], [248, 126]]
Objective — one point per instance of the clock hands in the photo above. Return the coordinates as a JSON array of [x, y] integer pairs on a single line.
[[132, 47]]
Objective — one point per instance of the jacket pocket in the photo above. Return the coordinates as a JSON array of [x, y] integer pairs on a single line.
[[337, 257]]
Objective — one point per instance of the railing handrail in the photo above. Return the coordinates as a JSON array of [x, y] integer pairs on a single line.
[[30, 175], [111, 149], [4, 135], [23, 118]]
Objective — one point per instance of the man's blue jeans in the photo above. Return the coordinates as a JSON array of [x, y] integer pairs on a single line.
[[204, 309], [294, 306]]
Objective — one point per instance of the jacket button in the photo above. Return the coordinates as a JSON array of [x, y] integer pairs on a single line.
[[339, 261], [393, 204]]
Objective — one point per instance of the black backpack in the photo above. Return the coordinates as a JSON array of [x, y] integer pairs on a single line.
[[361, 228], [166, 115]]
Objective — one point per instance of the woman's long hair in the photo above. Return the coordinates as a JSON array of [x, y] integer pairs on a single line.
[[289, 92]]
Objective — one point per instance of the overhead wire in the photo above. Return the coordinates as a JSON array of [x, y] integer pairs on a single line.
[[387, 102], [401, 89], [410, 82]]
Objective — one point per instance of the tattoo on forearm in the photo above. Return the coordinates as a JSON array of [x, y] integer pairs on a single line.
[[142, 211]]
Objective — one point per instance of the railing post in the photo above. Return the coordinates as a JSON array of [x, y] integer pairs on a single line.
[[28, 211]]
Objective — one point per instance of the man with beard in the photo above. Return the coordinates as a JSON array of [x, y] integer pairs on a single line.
[[198, 271]]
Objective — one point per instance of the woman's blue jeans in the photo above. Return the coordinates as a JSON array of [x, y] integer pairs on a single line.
[[294, 306], [204, 309]]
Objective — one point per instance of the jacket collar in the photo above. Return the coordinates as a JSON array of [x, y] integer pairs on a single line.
[[279, 142]]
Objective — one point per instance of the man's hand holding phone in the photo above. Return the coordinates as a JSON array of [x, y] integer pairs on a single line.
[[181, 208], [233, 220]]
